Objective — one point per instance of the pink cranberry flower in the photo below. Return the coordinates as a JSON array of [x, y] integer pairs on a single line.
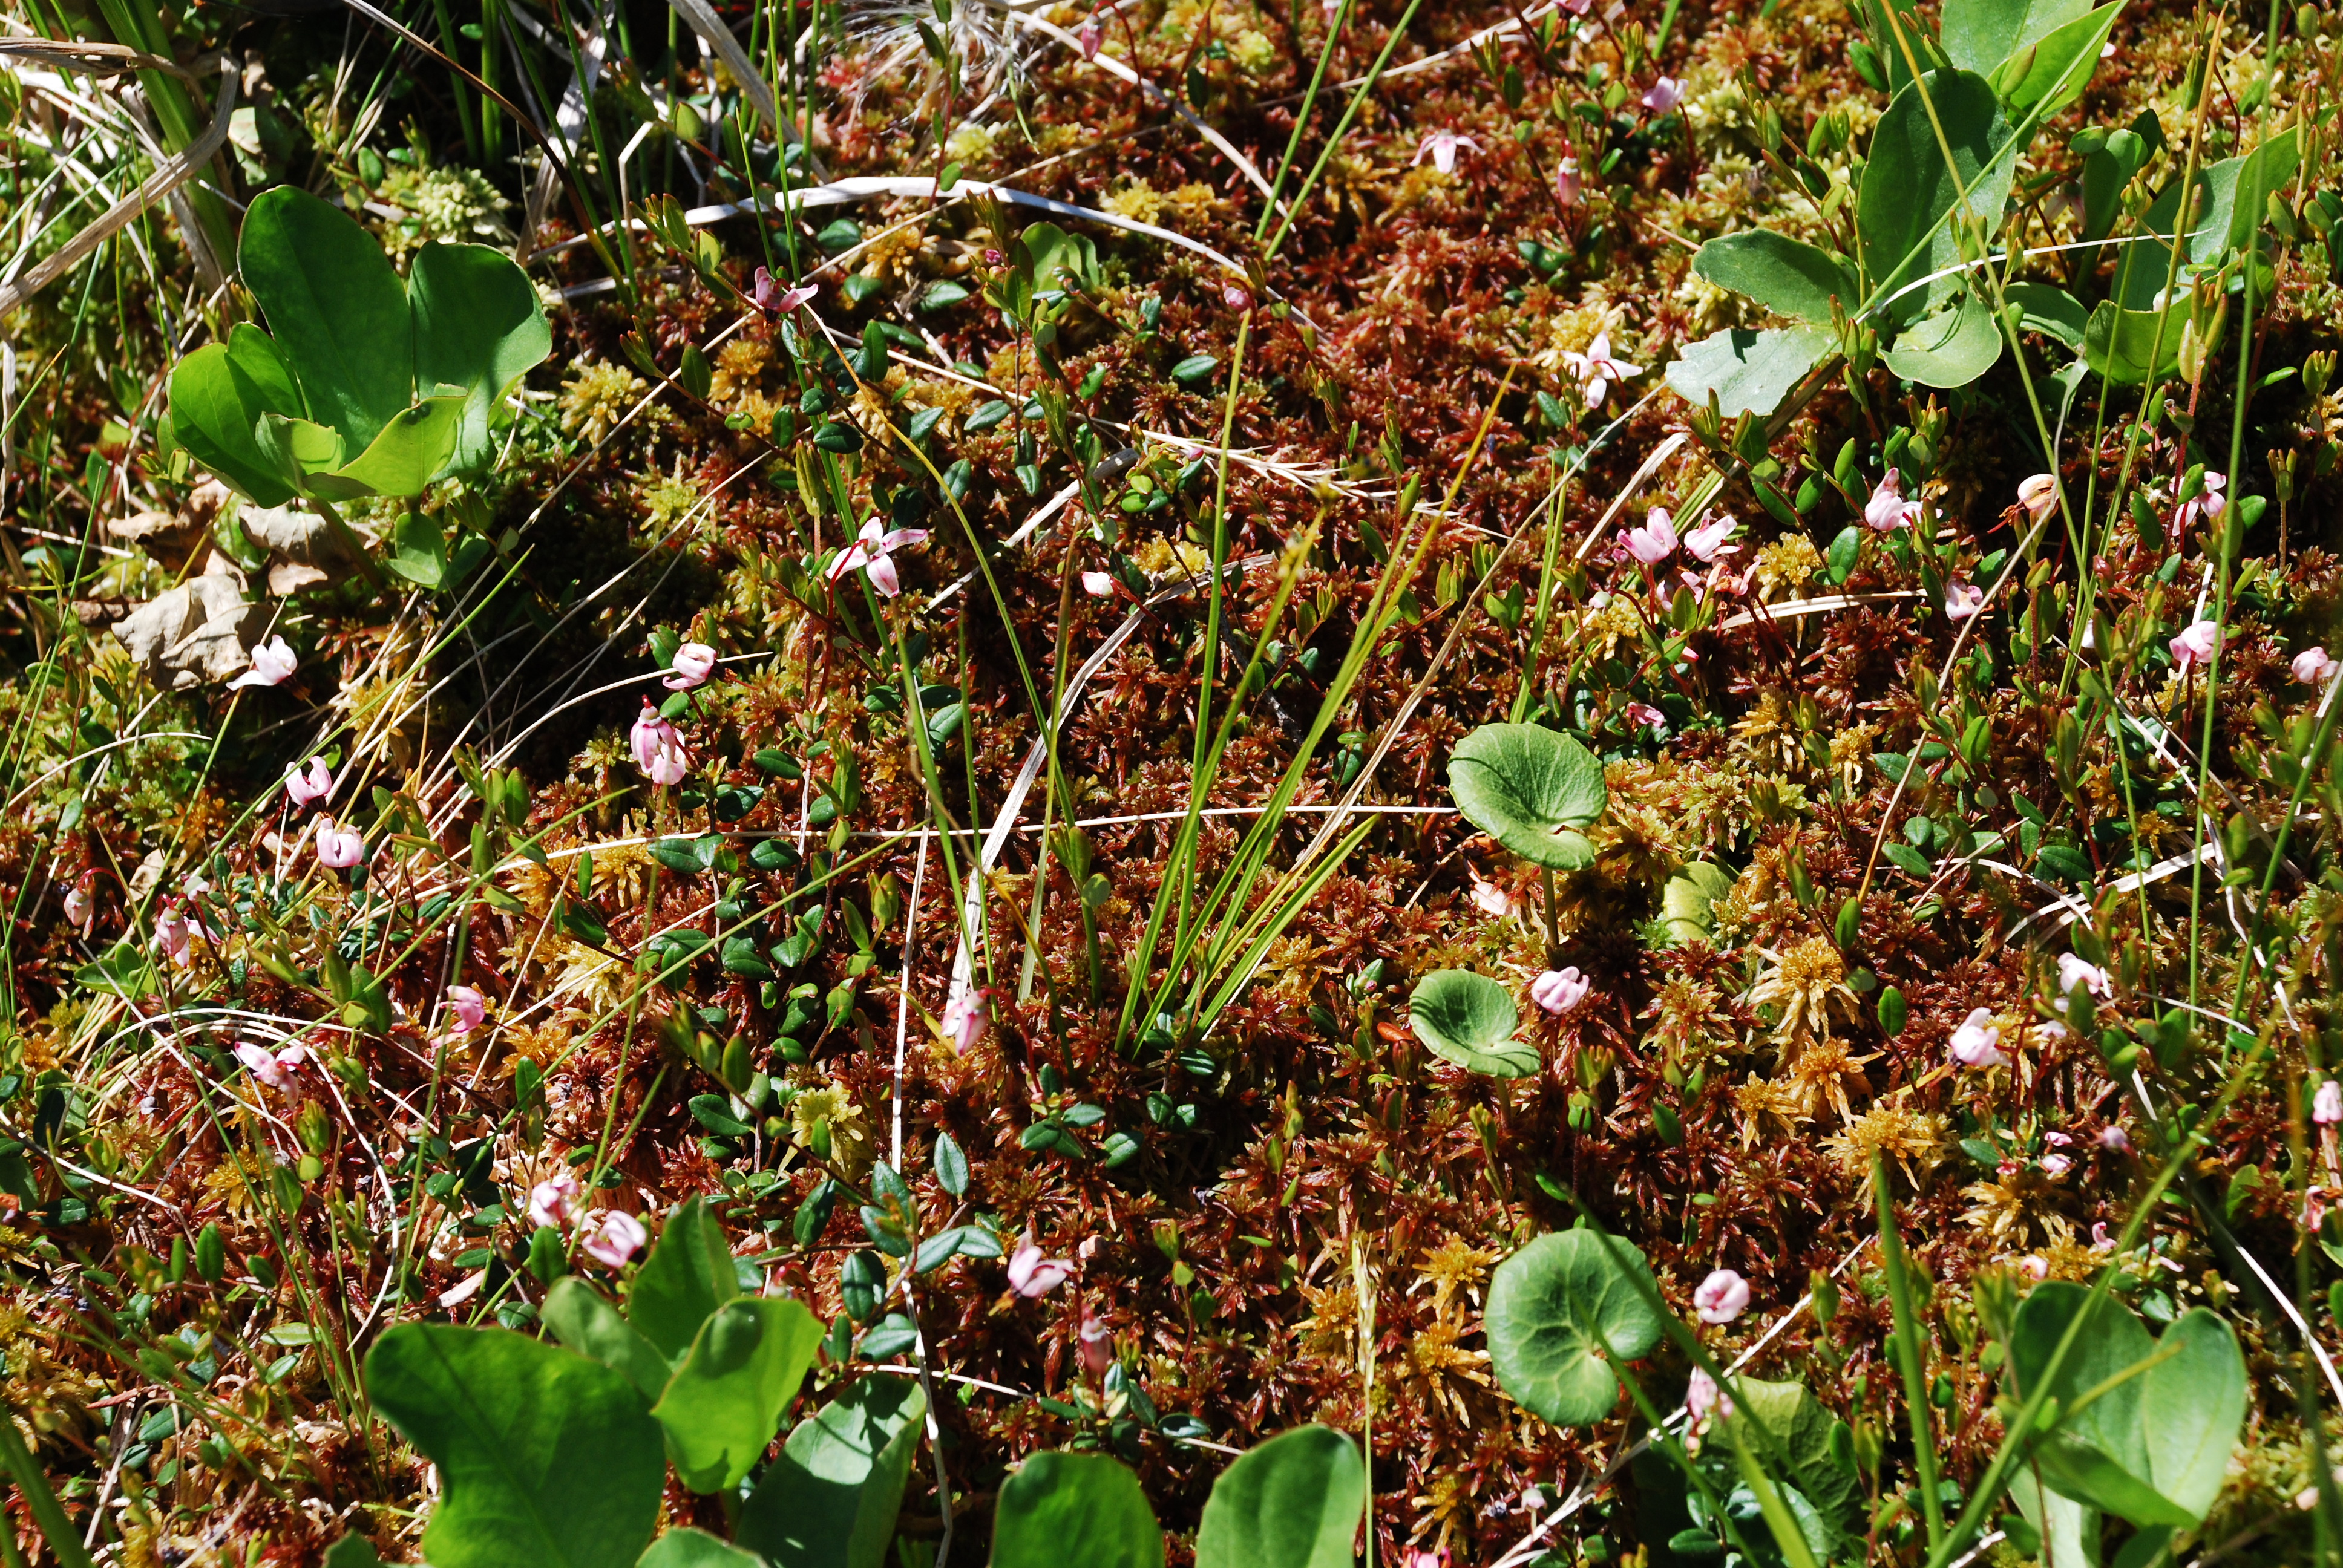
[[1975, 1043], [1706, 541], [1099, 585], [2074, 970], [273, 664], [81, 911], [2326, 1105], [2038, 493], [692, 664], [553, 1200], [2209, 502], [1560, 991], [1033, 1276], [1597, 369], [2114, 1140], [774, 300], [2100, 1241], [1887, 510], [338, 848], [173, 932], [968, 1018], [1963, 600], [2196, 644], [1440, 147], [2056, 1164], [309, 788], [873, 552], [1490, 899], [1663, 96], [2312, 666], [1097, 1346], [659, 750], [1655, 540], [1722, 1297], [273, 1068], [470, 1008], [2035, 1269], [1703, 1398], [616, 1237]]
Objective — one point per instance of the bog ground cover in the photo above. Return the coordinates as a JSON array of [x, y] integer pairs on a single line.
[[884, 782]]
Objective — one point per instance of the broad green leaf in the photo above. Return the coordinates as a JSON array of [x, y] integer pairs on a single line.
[[1063, 1509], [727, 1397], [1294, 1501], [687, 1276], [352, 1550], [545, 1457], [478, 329], [2152, 1448], [1750, 372], [254, 353], [2045, 78], [2238, 192], [1907, 186], [2070, 1530], [1787, 276], [2191, 1409], [1688, 902], [689, 1548], [1800, 1450], [829, 1501], [302, 450], [215, 406], [2050, 310], [2124, 346], [1979, 35], [1951, 348], [1554, 1306], [584, 1322], [1469, 1019], [410, 451], [1529, 788], [419, 550], [337, 309]]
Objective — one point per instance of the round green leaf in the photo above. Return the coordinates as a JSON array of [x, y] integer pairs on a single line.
[[1292, 1502], [1552, 1307], [1529, 788], [1469, 1019], [1063, 1509]]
